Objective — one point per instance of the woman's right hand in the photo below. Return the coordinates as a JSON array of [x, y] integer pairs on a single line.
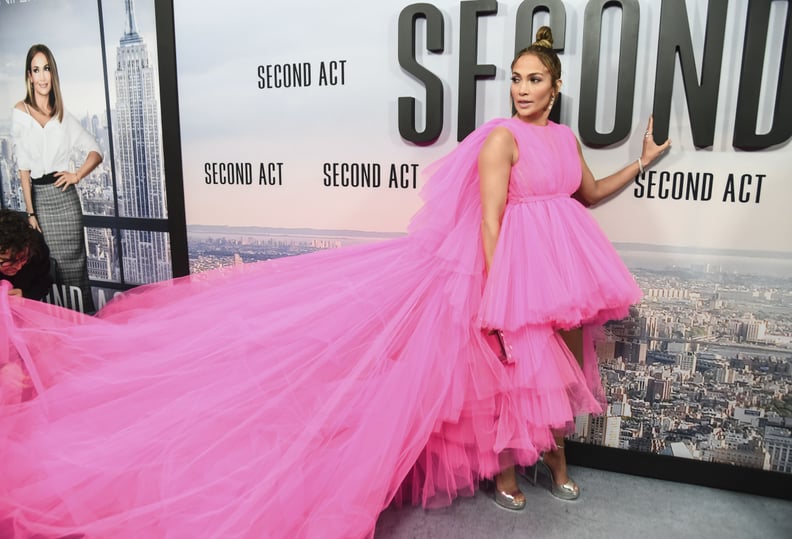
[[34, 222]]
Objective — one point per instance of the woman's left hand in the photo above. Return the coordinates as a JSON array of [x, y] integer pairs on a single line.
[[652, 150], [65, 179]]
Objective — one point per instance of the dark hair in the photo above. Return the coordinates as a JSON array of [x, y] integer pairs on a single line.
[[16, 234], [55, 99], [542, 48]]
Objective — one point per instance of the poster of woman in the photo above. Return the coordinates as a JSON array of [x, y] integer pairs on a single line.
[[110, 163]]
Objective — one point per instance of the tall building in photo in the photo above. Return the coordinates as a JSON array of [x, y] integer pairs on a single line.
[[658, 390], [753, 330], [605, 429], [686, 361], [101, 243], [582, 427], [778, 442], [139, 170]]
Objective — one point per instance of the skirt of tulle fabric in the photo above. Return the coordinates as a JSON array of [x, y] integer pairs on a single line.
[[292, 398], [553, 265], [219, 406]]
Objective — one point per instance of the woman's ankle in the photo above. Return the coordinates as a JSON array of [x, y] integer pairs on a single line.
[[506, 479], [556, 461]]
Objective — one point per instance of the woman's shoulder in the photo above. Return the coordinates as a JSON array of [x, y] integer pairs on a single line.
[[495, 131], [500, 142], [20, 118], [501, 134], [70, 119], [498, 127], [22, 108], [487, 127], [480, 135]]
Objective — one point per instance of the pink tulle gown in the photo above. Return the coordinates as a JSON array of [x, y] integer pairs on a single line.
[[299, 397]]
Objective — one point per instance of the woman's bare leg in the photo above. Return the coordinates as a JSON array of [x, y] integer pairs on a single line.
[[556, 461], [573, 338]]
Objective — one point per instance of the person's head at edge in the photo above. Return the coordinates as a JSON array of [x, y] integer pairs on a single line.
[[41, 78], [16, 242], [536, 79]]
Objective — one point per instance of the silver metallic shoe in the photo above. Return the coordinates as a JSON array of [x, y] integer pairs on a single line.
[[510, 500], [568, 491], [513, 499]]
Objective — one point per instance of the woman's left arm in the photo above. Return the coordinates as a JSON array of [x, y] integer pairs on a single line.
[[592, 191], [65, 179], [84, 140]]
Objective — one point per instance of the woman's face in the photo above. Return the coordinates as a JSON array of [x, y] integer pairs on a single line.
[[40, 75], [532, 89]]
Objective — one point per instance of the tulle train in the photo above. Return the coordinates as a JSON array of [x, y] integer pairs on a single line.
[[292, 398]]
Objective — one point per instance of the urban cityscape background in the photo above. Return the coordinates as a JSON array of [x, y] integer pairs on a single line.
[[701, 369]]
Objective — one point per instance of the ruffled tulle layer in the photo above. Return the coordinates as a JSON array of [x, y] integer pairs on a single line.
[[562, 271], [174, 422], [292, 398], [545, 390]]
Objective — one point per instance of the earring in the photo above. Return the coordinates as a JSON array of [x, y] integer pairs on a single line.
[[550, 105]]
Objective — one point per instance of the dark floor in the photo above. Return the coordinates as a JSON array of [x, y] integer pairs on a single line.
[[611, 505]]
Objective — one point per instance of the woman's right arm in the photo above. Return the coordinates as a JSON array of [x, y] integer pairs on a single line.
[[495, 160], [23, 164], [24, 179]]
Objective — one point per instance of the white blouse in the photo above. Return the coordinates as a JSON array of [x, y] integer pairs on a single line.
[[42, 150]]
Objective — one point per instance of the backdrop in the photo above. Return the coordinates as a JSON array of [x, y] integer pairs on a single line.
[[307, 125]]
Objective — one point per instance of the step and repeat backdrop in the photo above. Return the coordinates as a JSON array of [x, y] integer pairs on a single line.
[[308, 125]]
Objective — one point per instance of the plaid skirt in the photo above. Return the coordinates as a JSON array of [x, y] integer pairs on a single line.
[[59, 215]]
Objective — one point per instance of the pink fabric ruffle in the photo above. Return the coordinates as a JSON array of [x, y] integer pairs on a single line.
[[297, 397]]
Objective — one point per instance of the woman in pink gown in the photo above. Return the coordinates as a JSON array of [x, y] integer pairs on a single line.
[[300, 396]]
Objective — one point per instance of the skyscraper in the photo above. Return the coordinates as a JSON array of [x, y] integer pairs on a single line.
[[138, 157], [605, 429], [686, 361], [658, 390], [779, 445]]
